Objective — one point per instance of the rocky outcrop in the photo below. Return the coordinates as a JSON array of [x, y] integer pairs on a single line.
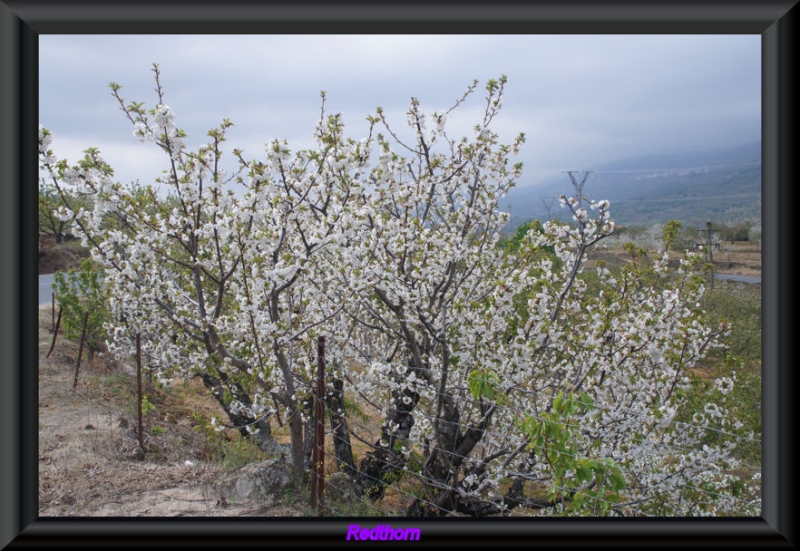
[[261, 483]]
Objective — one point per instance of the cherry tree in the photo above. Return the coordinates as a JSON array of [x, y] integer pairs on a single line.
[[490, 357], [211, 267], [494, 371], [428, 257]]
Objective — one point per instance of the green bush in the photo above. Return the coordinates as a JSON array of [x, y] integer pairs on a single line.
[[78, 292], [740, 305]]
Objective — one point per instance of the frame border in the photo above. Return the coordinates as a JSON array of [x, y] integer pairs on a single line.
[[22, 21]]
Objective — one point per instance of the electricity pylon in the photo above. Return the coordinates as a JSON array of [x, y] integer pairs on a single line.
[[578, 186], [548, 206]]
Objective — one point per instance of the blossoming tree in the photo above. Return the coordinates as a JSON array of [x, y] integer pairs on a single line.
[[494, 370], [211, 267]]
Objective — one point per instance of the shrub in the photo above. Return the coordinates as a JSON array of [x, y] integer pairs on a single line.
[[79, 292]]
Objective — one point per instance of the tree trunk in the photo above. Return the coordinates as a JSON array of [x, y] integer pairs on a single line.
[[295, 420], [388, 456], [239, 420], [296, 436], [308, 431], [448, 503], [341, 433], [451, 446]]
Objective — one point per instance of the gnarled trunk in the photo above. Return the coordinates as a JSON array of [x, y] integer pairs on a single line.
[[239, 420], [388, 456], [341, 434]]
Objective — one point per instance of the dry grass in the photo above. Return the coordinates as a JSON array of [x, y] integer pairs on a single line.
[[90, 463], [739, 258]]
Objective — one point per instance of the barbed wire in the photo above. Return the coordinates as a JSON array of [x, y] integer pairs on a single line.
[[431, 483], [501, 506], [620, 411], [476, 460], [665, 450], [624, 410]]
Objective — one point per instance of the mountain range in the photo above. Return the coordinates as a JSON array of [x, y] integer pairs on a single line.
[[723, 186]]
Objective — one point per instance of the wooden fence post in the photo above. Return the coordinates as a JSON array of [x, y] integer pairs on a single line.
[[80, 348], [55, 333]]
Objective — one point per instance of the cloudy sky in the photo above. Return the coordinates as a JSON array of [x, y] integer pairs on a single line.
[[582, 100]]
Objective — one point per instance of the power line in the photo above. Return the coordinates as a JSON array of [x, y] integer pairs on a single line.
[[676, 169], [693, 198]]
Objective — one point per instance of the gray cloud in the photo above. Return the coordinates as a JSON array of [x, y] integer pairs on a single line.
[[582, 100]]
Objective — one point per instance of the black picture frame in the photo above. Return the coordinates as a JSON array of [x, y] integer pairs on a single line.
[[21, 22]]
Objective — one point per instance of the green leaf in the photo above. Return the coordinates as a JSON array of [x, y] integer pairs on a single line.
[[586, 403], [558, 401], [482, 384], [583, 473]]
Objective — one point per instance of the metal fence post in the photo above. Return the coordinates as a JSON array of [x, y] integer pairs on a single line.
[[318, 452], [139, 388]]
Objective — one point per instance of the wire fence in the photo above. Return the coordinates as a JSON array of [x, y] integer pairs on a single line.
[[414, 487], [411, 493]]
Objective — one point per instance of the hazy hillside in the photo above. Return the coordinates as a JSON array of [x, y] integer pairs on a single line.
[[722, 186]]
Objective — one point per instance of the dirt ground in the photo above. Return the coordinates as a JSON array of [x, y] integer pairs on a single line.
[[89, 459]]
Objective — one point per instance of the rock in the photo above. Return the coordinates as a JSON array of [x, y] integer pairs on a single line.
[[273, 447], [340, 488], [258, 483]]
